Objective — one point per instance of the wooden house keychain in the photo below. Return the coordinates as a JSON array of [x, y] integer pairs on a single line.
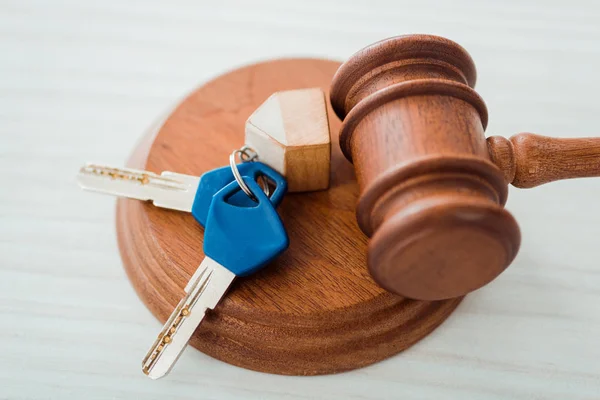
[[289, 135]]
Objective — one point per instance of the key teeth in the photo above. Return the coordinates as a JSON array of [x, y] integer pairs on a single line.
[[188, 314], [176, 319], [167, 180], [104, 171]]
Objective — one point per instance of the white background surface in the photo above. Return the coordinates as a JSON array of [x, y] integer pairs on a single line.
[[81, 80]]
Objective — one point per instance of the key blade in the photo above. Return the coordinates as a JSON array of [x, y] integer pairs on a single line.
[[168, 190], [206, 288]]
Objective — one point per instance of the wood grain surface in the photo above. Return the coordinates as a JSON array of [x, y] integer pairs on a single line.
[[431, 198], [529, 160], [82, 80], [290, 132], [314, 310], [432, 188]]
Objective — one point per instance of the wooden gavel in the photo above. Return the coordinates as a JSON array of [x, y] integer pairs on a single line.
[[432, 187]]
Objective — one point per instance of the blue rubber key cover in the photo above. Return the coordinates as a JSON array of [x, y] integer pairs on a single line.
[[243, 239], [213, 181]]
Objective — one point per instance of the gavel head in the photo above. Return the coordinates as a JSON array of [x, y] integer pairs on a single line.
[[431, 199]]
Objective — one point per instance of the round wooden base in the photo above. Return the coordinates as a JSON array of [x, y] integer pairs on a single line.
[[315, 310]]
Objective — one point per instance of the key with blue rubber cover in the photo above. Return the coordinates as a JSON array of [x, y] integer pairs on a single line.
[[177, 191], [238, 241]]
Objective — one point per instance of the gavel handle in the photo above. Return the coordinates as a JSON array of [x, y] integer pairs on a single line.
[[530, 160]]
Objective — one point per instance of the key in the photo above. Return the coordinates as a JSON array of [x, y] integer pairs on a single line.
[[237, 242], [177, 191]]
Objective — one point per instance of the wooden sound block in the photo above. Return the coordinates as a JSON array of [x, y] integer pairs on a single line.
[[315, 310]]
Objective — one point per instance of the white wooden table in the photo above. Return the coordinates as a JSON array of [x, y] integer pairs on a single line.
[[81, 80]]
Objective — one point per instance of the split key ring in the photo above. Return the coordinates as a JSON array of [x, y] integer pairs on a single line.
[[247, 154]]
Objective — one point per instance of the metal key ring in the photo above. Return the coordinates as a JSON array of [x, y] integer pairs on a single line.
[[247, 154]]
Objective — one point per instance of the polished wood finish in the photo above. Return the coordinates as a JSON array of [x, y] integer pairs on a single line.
[[530, 160], [290, 132], [430, 197], [432, 188], [315, 310]]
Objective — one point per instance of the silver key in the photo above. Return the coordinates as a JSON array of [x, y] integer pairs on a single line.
[[254, 230], [167, 190], [204, 290], [178, 191], [237, 241]]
